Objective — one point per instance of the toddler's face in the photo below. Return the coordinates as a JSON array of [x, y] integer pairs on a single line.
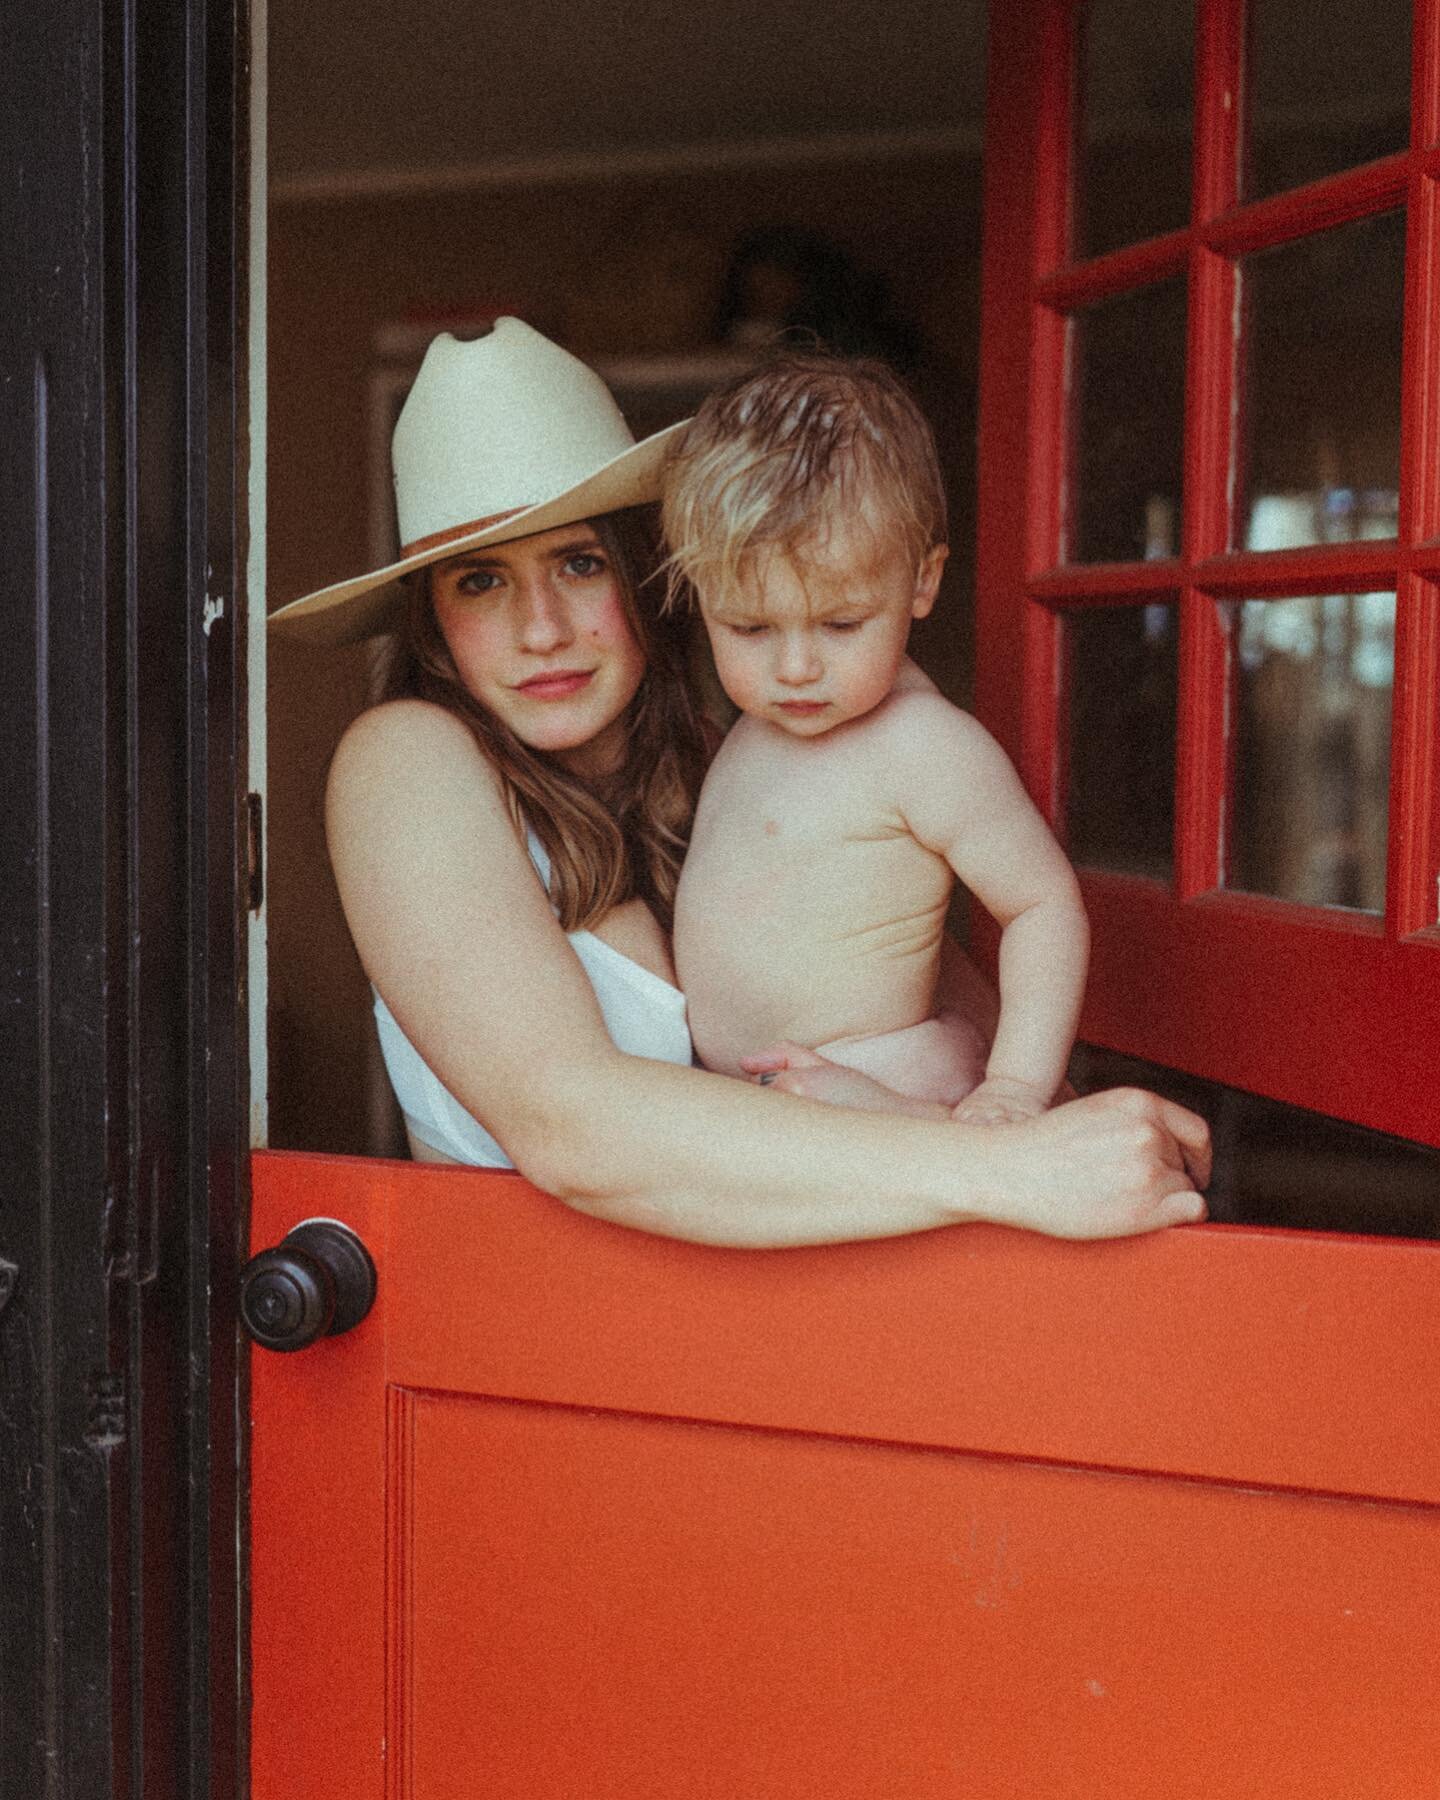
[[811, 642]]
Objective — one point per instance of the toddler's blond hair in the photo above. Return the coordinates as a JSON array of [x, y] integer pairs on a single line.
[[771, 458]]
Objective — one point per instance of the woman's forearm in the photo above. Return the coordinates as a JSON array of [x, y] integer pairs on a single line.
[[715, 1161], [712, 1160]]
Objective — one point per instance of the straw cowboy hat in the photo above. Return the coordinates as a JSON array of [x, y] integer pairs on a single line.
[[499, 437]]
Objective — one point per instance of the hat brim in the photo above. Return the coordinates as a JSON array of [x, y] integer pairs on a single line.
[[366, 605]]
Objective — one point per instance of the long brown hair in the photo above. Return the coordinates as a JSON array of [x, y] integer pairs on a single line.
[[610, 840]]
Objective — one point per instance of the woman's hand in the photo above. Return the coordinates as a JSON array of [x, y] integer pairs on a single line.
[[795, 1070], [1110, 1165]]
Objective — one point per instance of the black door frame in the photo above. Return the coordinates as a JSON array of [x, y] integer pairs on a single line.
[[122, 1051]]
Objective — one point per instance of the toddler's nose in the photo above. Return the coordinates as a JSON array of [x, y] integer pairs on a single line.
[[797, 661]]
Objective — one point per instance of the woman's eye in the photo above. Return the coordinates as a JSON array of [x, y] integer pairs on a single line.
[[585, 563], [475, 581]]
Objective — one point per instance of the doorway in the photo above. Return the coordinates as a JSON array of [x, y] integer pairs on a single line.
[[662, 193]]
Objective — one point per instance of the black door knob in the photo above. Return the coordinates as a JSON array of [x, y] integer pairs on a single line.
[[318, 1282]]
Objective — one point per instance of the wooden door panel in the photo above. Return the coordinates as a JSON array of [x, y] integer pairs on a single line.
[[609, 1606], [581, 1512], [1367, 1052], [1285, 1359]]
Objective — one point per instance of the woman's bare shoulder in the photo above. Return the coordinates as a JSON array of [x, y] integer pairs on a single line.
[[408, 780], [404, 750], [400, 734]]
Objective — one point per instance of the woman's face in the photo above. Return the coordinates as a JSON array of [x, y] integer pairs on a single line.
[[541, 638]]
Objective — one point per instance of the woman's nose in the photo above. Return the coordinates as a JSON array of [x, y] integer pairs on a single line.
[[544, 623], [797, 660]]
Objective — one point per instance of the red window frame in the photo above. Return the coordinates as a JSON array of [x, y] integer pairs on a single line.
[[1326, 1009]]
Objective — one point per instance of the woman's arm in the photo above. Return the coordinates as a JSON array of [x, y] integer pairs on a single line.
[[455, 932]]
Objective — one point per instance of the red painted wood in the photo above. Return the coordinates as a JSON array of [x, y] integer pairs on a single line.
[[1116, 272], [1007, 265], [1108, 584], [318, 1522], [582, 1512], [1318, 1009], [1181, 978], [923, 1625], [1320, 206], [1425, 75], [1414, 840], [1221, 131], [1353, 568]]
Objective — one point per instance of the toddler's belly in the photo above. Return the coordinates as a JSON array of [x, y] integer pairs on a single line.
[[737, 1009], [810, 947]]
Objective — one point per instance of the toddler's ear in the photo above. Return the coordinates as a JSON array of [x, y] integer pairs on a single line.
[[927, 579]]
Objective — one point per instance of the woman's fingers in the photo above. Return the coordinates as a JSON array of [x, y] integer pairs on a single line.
[[1185, 1208], [1111, 1165], [1189, 1131]]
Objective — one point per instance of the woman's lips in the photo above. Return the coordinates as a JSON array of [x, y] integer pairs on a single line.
[[556, 686]]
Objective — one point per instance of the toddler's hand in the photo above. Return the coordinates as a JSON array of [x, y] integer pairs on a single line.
[[1000, 1100], [796, 1070]]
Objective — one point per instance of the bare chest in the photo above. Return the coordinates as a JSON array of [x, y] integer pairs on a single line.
[[823, 837]]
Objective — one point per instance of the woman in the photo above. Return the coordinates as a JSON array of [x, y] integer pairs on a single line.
[[547, 738]]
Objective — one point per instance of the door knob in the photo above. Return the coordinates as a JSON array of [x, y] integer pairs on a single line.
[[318, 1282]]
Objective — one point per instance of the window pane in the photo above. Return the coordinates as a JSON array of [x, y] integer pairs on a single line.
[[1312, 748], [1322, 460], [1123, 669], [1281, 1165], [1329, 87], [1129, 358], [1133, 149]]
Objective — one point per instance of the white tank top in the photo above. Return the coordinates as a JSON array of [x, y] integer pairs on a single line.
[[644, 1014]]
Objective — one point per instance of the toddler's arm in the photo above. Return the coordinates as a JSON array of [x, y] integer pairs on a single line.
[[983, 823]]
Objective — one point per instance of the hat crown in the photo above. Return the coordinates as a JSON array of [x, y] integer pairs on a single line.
[[495, 424]]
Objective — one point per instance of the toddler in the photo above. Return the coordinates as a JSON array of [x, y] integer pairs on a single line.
[[804, 505]]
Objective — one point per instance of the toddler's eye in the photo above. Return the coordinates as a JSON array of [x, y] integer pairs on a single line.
[[745, 631], [843, 624]]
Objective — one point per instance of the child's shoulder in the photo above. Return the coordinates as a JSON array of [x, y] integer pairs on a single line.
[[918, 712]]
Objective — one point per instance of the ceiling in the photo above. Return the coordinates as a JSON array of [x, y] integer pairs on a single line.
[[366, 93]]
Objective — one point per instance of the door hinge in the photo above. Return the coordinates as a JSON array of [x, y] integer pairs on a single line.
[[254, 852]]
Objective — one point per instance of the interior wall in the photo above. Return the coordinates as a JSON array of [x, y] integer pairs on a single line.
[[607, 268]]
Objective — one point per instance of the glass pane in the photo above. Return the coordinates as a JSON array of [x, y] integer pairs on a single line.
[[1329, 87], [1281, 1165], [1135, 104], [1123, 671], [1322, 461], [1312, 748], [1129, 359]]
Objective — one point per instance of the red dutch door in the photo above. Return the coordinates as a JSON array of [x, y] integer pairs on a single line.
[[580, 1513]]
